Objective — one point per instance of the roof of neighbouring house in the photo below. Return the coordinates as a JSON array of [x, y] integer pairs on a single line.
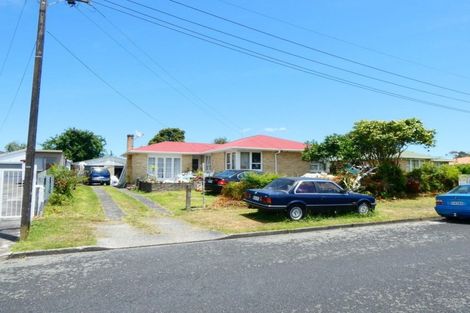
[[463, 160], [104, 161], [259, 142], [176, 147], [18, 156], [420, 156]]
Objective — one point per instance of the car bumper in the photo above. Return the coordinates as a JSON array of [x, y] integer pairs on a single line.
[[213, 188], [257, 205], [447, 211], [99, 180]]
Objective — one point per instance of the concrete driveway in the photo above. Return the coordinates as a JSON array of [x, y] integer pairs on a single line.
[[9, 234]]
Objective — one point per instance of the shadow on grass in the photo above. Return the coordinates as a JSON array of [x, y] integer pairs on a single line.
[[280, 216]]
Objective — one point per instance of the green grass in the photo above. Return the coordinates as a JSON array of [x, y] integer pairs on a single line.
[[137, 213], [175, 201], [234, 217], [70, 225]]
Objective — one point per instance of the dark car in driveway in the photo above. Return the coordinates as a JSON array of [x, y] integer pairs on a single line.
[[99, 175], [219, 180], [297, 195]]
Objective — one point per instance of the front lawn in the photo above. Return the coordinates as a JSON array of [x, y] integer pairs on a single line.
[[71, 225], [234, 217]]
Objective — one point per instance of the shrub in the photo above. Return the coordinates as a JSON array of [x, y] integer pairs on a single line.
[[65, 181], [464, 168], [388, 181], [236, 190], [432, 178]]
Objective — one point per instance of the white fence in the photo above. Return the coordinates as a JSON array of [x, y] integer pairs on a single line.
[[11, 192]]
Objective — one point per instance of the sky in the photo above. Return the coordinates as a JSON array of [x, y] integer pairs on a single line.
[[114, 74]]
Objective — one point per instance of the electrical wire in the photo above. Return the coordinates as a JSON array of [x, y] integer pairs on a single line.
[[12, 39], [119, 93], [13, 101], [299, 56], [270, 59], [348, 42], [314, 49]]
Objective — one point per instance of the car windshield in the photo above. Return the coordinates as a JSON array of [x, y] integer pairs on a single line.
[[100, 170], [283, 184], [226, 174], [464, 189]]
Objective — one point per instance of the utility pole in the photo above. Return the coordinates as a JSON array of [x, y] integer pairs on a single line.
[[28, 187]]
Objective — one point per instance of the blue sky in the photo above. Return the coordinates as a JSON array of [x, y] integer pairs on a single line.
[[228, 94]]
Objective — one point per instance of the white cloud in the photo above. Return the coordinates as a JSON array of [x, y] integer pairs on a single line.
[[275, 129]]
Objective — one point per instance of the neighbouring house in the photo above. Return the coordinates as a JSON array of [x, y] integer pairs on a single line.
[[411, 160], [44, 159], [463, 160], [114, 164], [166, 160]]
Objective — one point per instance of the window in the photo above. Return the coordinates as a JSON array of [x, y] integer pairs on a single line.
[[414, 164], [306, 187], [151, 166], [317, 167], [230, 161], [176, 167], [327, 187], [244, 160], [256, 160], [168, 166], [160, 167], [208, 163]]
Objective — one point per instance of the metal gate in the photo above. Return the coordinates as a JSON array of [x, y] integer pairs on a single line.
[[11, 192]]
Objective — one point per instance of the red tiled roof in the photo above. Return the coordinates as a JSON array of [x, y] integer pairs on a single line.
[[463, 160], [177, 147], [263, 142], [260, 142]]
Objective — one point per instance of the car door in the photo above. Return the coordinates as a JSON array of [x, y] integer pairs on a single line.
[[333, 196], [306, 192]]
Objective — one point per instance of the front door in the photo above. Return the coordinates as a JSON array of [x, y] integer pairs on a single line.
[[195, 166]]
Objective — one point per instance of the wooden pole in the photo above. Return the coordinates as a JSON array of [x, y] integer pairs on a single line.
[[188, 197]]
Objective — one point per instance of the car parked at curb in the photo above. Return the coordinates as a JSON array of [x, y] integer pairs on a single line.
[[216, 182], [99, 175], [297, 195], [455, 203]]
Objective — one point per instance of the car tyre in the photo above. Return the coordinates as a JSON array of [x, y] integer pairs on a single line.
[[296, 212], [364, 208]]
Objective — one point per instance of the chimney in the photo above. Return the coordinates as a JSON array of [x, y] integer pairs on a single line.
[[130, 142]]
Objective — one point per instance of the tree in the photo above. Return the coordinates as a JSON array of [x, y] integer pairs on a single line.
[[14, 146], [379, 142], [77, 145], [168, 134], [220, 140], [456, 154], [334, 148]]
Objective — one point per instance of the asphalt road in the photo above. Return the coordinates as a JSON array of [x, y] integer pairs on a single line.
[[415, 267]]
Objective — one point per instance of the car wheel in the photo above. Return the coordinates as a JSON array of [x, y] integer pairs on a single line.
[[296, 212], [363, 208]]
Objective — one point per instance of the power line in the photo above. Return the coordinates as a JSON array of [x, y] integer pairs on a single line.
[[297, 55], [208, 108], [12, 39], [270, 59], [316, 49], [13, 101], [104, 81], [348, 42]]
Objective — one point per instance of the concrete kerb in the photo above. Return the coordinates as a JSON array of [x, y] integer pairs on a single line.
[[17, 255]]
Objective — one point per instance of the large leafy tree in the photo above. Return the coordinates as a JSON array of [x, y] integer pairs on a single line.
[[168, 134], [220, 140], [77, 144], [455, 154], [372, 142], [14, 146]]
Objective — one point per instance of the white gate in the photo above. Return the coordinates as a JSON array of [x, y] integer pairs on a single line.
[[11, 192]]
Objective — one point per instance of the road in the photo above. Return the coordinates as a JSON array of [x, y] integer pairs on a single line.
[[413, 267]]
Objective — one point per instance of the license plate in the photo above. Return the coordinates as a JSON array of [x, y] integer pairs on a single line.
[[456, 203], [255, 198], [209, 181]]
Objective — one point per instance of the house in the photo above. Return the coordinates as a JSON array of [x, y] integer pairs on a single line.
[[462, 160], [166, 160], [44, 159], [114, 164], [411, 160]]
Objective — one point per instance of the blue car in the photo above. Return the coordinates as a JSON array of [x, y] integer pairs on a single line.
[[297, 195], [455, 203]]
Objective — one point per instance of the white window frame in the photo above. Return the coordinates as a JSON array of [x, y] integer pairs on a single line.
[[260, 161], [208, 163], [234, 161], [168, 171], [231, 160]]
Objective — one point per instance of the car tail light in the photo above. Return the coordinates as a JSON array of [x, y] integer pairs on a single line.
[[266, 200], [439, 202], [222, 182]]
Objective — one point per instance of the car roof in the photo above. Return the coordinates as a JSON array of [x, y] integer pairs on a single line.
[[305, 178]]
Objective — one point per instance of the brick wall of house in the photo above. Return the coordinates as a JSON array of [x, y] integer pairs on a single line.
[[218, 161], [268, 162], [187, 162], [291, 164], [138, 167]]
